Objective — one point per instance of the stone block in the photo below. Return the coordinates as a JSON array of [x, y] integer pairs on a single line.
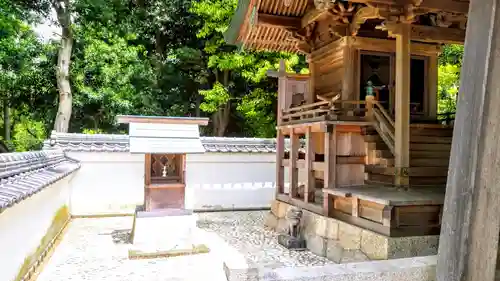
[[374, 245], [271, 221], [163, 230], [334, 251], [349, 256], [415, 246], [349, 236], [321, 226], [316, 244], [309, 223], [332, 229]]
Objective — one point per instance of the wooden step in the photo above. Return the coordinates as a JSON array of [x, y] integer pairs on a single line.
[[430, 162], [429, 154], [442, 132], [413, 171], [379, 179], [430, 139], [430, 181], [431, 146]]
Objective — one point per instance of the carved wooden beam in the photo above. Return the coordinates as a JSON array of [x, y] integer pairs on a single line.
[[340, 30], [361, 16], [312, 16], [455, 6], [431, 34], [288, 23]]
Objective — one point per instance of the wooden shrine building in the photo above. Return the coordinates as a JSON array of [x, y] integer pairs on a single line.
[[375, 151]]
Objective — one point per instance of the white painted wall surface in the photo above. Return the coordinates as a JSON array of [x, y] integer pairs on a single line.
[[113, 182], [107, 183], [230, 180], [23, 225]]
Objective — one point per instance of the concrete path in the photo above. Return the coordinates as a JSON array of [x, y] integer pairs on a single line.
[[97, 249]]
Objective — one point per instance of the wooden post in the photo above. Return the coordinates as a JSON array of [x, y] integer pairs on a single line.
[[468, 245], [280, 170], [311, 97], [330, 157], [402, 129], [281, 91], [310, 179], [330, 166], [349, 56], [433, 86], [293, 171]]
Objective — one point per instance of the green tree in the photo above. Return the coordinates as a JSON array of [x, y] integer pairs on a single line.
[[236, 79]]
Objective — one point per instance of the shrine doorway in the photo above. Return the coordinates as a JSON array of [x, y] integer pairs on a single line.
[[165, 181], [376, 67]]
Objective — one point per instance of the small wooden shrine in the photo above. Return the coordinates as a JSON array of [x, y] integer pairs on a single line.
[[164, 141], [376, 152]]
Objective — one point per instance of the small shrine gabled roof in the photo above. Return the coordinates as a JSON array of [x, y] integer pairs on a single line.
[[24, 174]]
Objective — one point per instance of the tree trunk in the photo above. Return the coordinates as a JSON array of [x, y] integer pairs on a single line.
[[6, 120], [221, 120], [222, 115], [63, 63]]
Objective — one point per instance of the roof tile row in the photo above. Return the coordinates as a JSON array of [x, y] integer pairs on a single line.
[[23, 174], [120, 143]]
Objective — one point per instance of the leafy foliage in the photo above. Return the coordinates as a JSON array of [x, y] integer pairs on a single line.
[[165, 58]]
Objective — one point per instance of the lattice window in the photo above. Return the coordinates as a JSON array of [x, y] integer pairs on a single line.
[[166, 168]]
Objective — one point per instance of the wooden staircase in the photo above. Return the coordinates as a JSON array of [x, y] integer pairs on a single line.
[[429, 156]]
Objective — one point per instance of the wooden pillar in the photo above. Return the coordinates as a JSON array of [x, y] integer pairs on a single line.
[[402, 129], [468, 245], [293, 172], [311, 97], [281, 91], [432, 86], [350, 61], [330, 157], [310, 179], [330, 169], [280, 170]]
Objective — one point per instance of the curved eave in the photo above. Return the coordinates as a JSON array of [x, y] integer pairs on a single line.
[[232, 34]]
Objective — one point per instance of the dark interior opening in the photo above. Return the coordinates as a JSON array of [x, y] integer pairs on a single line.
[[376, 69], [417, 84]]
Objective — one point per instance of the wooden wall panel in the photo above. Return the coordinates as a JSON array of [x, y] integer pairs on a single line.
[[350, 174]]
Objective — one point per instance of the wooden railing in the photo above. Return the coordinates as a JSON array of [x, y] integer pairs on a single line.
[[334, 109], [383, 123]]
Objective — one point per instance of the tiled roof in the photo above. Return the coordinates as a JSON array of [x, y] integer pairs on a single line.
[[23, 174], [120, 143]]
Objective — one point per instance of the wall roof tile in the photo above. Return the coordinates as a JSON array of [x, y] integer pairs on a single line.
[[23, 174], [120, 143]]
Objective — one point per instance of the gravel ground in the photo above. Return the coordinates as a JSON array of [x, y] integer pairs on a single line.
[[97, 249]]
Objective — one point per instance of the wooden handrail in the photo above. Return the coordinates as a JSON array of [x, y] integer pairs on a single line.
[[384, 125], [384, 112], [305, 106]]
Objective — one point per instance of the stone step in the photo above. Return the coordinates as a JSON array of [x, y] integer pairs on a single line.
[[418, 268]]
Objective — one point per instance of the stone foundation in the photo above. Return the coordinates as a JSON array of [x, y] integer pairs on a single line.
[[344, 243]]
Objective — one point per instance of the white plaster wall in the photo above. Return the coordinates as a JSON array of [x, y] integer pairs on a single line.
[[107, 183], [23, 226], [230, 180], [113, 182]]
